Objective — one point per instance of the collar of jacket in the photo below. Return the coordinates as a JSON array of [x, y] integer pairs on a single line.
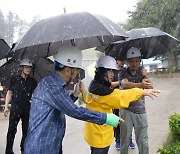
[[99, 88]]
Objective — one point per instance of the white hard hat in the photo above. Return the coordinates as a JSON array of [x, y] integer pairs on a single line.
[[133, 53], [107, 62], [26, 62], [69, 56]]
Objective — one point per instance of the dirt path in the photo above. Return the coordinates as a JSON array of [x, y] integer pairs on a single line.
[[158, 111]]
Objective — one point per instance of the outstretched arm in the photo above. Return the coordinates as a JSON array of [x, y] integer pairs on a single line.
[[151, 93]]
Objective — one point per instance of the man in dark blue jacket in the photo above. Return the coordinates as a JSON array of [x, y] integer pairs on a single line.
[[51, 102]]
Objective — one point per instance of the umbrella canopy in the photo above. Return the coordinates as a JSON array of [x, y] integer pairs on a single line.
[[4, 48], [41, 67], [151, 42], [83, 30]]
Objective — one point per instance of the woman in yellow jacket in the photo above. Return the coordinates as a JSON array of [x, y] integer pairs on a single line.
[[103, 98]]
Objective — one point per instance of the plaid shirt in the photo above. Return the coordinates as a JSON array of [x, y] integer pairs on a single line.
[[47, 122]]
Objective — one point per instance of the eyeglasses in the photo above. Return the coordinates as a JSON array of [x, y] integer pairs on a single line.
[[78, 69], [27, 67], [111, 70]]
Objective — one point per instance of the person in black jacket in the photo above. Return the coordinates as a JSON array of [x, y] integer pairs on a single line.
[[115, 84], [19, 94]]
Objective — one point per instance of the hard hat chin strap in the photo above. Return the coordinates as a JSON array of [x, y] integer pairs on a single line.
[[106, 76], [72, 72]]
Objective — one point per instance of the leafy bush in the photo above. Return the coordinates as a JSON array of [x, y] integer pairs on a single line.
[[172, 145], [171, 149], [174, 125], [172, 69]]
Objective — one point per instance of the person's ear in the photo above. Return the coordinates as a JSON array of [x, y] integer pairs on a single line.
[[68, 69], [21, 68]]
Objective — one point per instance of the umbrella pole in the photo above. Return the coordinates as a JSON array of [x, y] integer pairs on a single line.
[[85, 96], [83, 92], [142, 62]]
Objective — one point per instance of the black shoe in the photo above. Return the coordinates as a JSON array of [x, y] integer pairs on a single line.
[[131, 145], [117, 145], [9, 152]]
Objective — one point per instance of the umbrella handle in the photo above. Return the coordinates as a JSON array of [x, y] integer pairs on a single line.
[[87, 98]]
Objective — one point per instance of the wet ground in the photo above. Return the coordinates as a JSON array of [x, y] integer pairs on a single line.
[[158, 111]]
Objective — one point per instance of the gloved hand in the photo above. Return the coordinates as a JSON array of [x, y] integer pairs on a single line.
[[113, 120]]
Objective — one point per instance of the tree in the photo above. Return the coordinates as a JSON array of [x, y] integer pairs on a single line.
[[163, 14], [24, 26], [16, 27], [19, 26], [12, 27], [34, 20], [3, 26]]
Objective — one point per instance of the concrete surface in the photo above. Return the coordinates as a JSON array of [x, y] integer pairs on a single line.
[[158, 111]]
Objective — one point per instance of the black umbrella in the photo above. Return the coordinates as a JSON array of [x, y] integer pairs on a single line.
[[4, 48], [151, 42], [83, 30], [41, 67]]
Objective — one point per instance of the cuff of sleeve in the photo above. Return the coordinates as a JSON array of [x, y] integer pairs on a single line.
[[139, 92], [104, 118], [73, 97]]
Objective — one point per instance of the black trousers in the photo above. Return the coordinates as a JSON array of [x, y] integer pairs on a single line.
[[117, 129], [60, 151], [99, 150], [16, 114]]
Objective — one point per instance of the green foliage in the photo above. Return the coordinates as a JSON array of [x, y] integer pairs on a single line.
[[163, 14], [174, 125], [171, 149], [172, 145], [11, 24], [171, 69]]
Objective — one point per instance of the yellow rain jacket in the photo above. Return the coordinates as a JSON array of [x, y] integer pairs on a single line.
[[101, 136]]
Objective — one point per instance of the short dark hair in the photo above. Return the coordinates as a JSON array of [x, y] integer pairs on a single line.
[[100, 74], [59, 66], [120, 58]]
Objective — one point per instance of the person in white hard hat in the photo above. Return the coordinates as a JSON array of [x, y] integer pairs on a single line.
[[19, 94], [135, 115], [117, 84], [50, 103], [103, 98]]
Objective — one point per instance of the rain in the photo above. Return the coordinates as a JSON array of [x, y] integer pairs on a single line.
[[40, 37]]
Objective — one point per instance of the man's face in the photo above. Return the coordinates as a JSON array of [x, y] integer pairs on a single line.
[[120, 64], [26, 70], [134, 63], [75, 73], [110, 76]]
